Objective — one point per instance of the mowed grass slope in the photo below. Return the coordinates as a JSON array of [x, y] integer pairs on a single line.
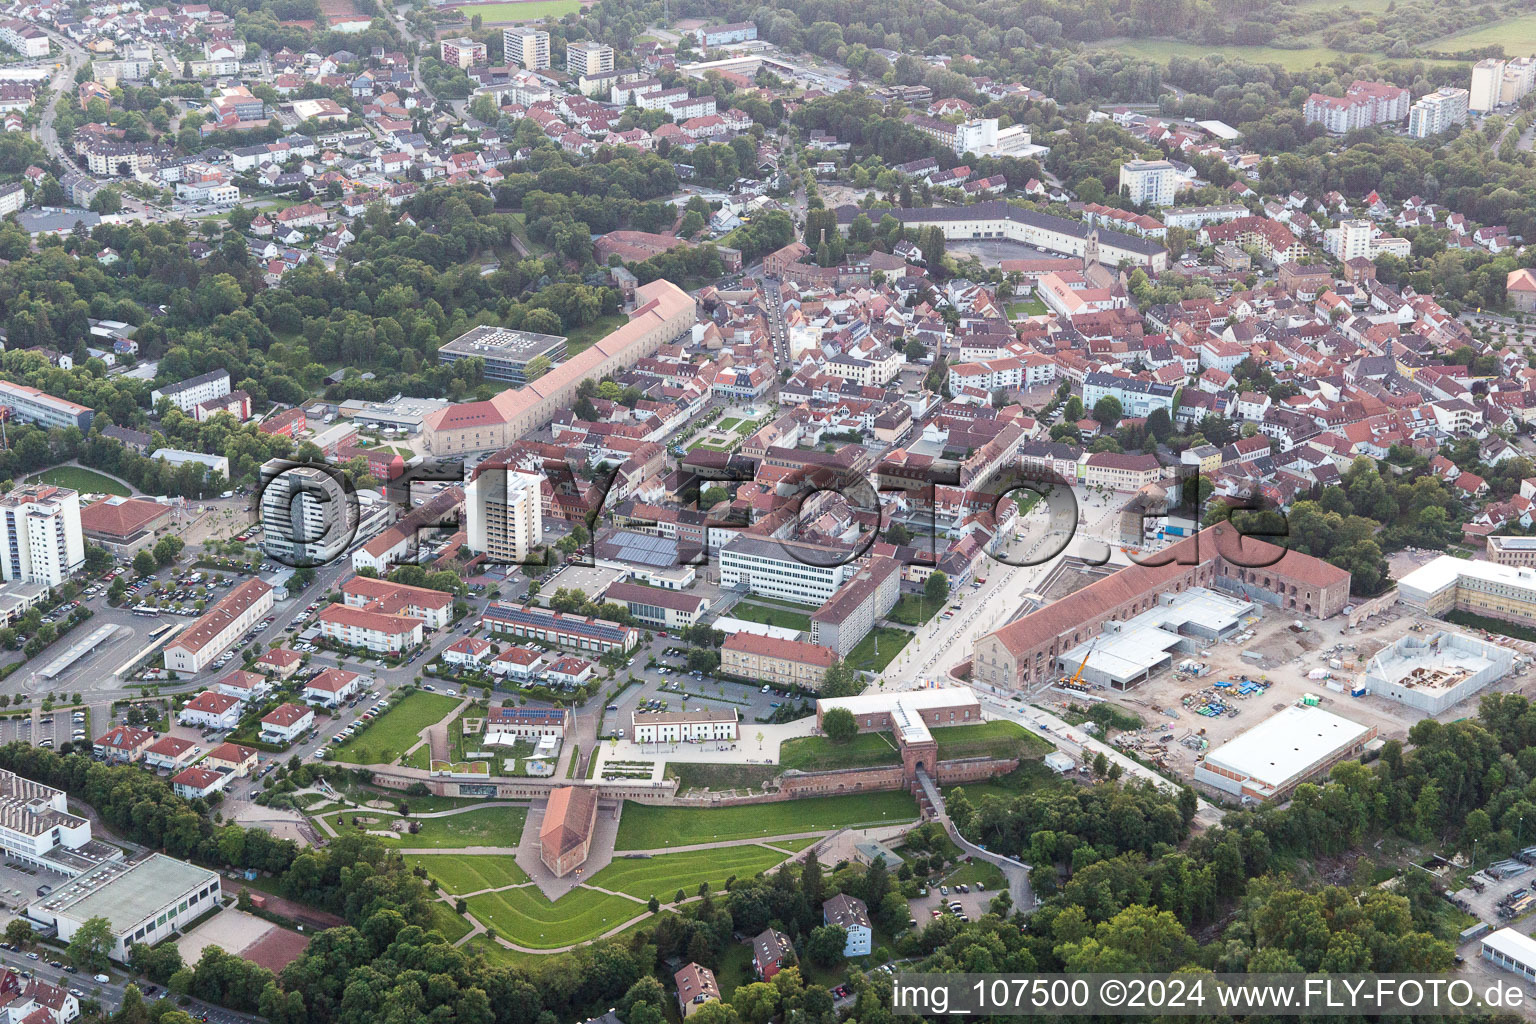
[[485, 826], [644, 877], [388, 737], [463, 873], [644, 827], [525, 917]]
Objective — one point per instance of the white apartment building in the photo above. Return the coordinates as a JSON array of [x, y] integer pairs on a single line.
[[433, 607], [1438, 111], [983, 137], [1361, 238], [219, 627], [685, 726], [1364, 104], [373, 631], [211, 710], [525, 47], [506, 519], [791, 570], [188, 393], [1486, 86], [33, 406], [286, 723], [1149, 182], [588, 58], [1519, 78], [34, 821], [27, 40], [40, 531], [307, 518]]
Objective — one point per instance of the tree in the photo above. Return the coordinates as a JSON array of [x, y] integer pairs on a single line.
[[841, 680], [167, 548], [144, 563], [756, 1003], [936, 587], [91, 943], [18, 932], [839, 725], [825, 945], [1107, 411]]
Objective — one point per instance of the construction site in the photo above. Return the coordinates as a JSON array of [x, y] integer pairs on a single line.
[[1386, 673]]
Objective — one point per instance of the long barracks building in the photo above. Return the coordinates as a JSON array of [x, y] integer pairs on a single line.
[[1024, 652], [997, 219], [663, 314]]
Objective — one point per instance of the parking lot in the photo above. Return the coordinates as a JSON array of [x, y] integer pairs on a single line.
[[973, 904], [676, 684], [46, 729]]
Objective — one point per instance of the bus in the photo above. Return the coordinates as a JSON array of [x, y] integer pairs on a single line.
[[144, 609], [160, 631]]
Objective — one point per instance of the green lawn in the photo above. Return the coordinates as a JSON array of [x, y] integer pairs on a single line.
[[914, 610], [589, 335], [533, 10], [690, 775], [878, 647], [771, 616], [525, 917], [1027, 778], [488, 826], [1516, 35], [796, 845], [452, 925], [1029, 307], [644, 877], [645, 827], [817, 753], [86, 481], [462, 873], [388, 737], [989, 739]]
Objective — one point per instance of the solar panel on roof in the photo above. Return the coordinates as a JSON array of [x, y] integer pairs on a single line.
[[545, 620]]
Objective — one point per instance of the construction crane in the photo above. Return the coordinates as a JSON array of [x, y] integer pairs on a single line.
[[1078, 675]]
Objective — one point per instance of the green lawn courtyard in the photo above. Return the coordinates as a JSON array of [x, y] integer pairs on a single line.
[[462, 873], [644, 877], [1028, 307], [646, 827], [388, 737], [783, 617], [86, 481], [532, 10], [999, 738], [878, 647]]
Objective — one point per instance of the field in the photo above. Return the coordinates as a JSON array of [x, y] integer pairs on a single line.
[[1160, 50], [488, 826], [817, 753], [914, 610], [644, 827], [989, 739], [534, 10], [86, 481], [388, 737], [719, 776], [462, 873], [771, 616], [1516, 35], [527, 918], [644, 877]]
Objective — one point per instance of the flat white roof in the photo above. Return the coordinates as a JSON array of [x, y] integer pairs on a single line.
[[917, 700], [1286, 744], [1446, 570], [1513, 944]]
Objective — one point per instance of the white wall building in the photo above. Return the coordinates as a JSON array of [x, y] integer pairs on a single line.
[[791, 570], [40, 534], [1486, 85], [1284, 750], [506, 519], [34, 820], [373, 631], [307, 518], [525, 47], [211, 710], [588, 58], [188, 393], [144, 902], [1438, 111], [685, 726], [1148, 182], [219, 627]]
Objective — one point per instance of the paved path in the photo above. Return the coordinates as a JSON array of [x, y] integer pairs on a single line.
[[1016, 871]]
